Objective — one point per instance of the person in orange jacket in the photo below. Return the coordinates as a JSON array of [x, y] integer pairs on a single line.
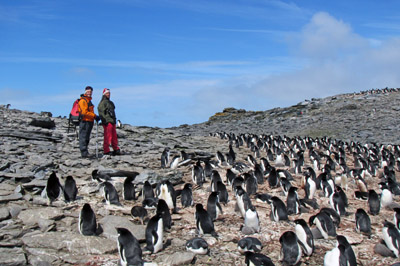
[[87, 115]]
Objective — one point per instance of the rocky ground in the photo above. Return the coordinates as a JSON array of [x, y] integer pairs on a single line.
[[34, 233]]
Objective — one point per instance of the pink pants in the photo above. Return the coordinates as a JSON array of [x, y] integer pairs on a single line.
[[110, 136]]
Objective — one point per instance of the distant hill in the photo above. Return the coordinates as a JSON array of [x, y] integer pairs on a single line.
[[366, 117]]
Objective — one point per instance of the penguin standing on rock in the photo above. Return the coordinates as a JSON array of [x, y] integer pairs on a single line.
[[162, 208], [70, 189], [348, 250], [363, 222], [305, 237], [386, 195], [155, 234], [87, 221], [391, 236], [53, 188], [396, 217], [147, 190], [129, 189], [165, 157], [336, 257], [251, 221], [129, 249], [290, 248], [187, 196], [110, 194], [324, 224], [165, 190], [278, 210], [292, 202], [204, 222], [213, 206], [373, 202]]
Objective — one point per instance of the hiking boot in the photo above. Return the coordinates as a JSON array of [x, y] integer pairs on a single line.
[[85, 155], [107, 153], [117, 152]]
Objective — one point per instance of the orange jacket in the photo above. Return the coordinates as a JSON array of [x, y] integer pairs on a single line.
[[86, 109]]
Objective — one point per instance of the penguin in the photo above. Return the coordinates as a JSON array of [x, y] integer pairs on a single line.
[[231, 156], [361, 184], [155, 233], [166, 191], [257, 259], [175, 162], [342, 194], [391, 236], [310, 187], [292, 202], [305, 236], [230, 176], [336, 257], [165, 157], [273, 179], [213, 206], [150, 203], [215, 177], [129, 189], [139, 212], [70, 189], [237, 183], [187, 196], [87, 221], [221, 159], [373, 202], [285, 185], [278, 210], [333, 215], [265, 198], [223, 193], [290, 248], [363, 222], [251, 160], [147, 190], [198, 174], [53, 188], [207, 169], [110, 194], [250, 184], [243, 201], [337, 203], [324, 224], [204, 222], [197, 245], [251, 221], [249, 244], [396, 217], [348, 250], [386, 195], [258, 174], [162, 208], [129, 249]]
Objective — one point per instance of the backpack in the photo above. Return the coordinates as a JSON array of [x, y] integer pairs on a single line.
[[74, 115]]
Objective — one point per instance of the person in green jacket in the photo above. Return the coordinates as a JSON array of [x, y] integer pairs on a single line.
[[106, 110]]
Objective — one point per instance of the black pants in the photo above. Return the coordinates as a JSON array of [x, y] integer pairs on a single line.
[[85, 128]]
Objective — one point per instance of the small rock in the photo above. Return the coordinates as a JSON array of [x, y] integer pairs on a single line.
[[178, 258], [32, 216], [12, 257], [12, 197], [109, 223], [4, 213]]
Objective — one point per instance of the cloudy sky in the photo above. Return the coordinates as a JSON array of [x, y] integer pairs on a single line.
[[173, 62]]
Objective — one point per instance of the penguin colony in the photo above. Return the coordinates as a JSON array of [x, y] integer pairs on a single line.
[[291, 195]]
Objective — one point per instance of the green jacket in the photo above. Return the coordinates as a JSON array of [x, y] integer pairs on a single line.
[[106, 110]]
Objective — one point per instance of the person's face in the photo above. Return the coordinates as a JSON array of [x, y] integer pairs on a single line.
[[107, 94], [88, 93]]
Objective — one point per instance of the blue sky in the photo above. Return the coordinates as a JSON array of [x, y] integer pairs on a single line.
[[173, 62]]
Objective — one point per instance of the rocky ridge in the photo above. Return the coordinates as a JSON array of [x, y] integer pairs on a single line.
[[34, 233], [367, 117]]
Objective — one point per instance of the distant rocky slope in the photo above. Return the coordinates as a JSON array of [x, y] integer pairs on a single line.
[[368, 116]]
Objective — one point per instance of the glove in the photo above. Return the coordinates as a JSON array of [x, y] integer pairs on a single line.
[[97, 118]]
